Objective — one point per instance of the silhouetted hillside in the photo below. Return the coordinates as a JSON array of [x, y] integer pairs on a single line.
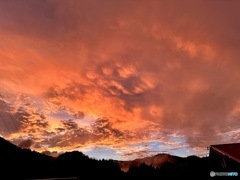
[[154, 161], [22, 163], [165, 165], [27, 164]]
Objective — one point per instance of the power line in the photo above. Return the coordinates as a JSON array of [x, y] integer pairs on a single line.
[[5, 123], [9, 114]]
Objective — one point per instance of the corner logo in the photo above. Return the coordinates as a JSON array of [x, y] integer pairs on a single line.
[[212, 173]]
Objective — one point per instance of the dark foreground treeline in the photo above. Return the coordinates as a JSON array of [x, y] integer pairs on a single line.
[[17, 163]]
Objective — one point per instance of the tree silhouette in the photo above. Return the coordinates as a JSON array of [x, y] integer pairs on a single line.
[[27, 164]]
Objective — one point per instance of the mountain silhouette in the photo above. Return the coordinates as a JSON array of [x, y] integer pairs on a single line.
[[28, 164], [155, 161], [18, 163], [165, 165]]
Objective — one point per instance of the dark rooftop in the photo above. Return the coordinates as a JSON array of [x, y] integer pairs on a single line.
[[230, 150]]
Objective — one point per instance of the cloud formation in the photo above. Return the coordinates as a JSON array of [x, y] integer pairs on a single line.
[[80, 74], [26, 143]]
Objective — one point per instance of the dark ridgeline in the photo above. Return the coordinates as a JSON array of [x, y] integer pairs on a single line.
[[17, 163]]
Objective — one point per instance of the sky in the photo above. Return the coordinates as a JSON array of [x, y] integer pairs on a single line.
[[120, 79]]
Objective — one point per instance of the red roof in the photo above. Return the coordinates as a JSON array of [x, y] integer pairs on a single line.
[[230, 150]]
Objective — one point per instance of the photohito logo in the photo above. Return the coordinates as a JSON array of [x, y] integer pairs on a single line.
[[212, 173]]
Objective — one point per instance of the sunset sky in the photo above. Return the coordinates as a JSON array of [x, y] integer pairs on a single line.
[[120, 79]]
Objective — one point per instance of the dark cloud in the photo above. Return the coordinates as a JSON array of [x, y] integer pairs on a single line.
[[22, 115], [72, 135], [140, 154], [104, 128], [40, 123], [69, 124], [79, 115], [51, 153], [26, 143], [31, 120], [74, 138], [60, 129], [37, 145]]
